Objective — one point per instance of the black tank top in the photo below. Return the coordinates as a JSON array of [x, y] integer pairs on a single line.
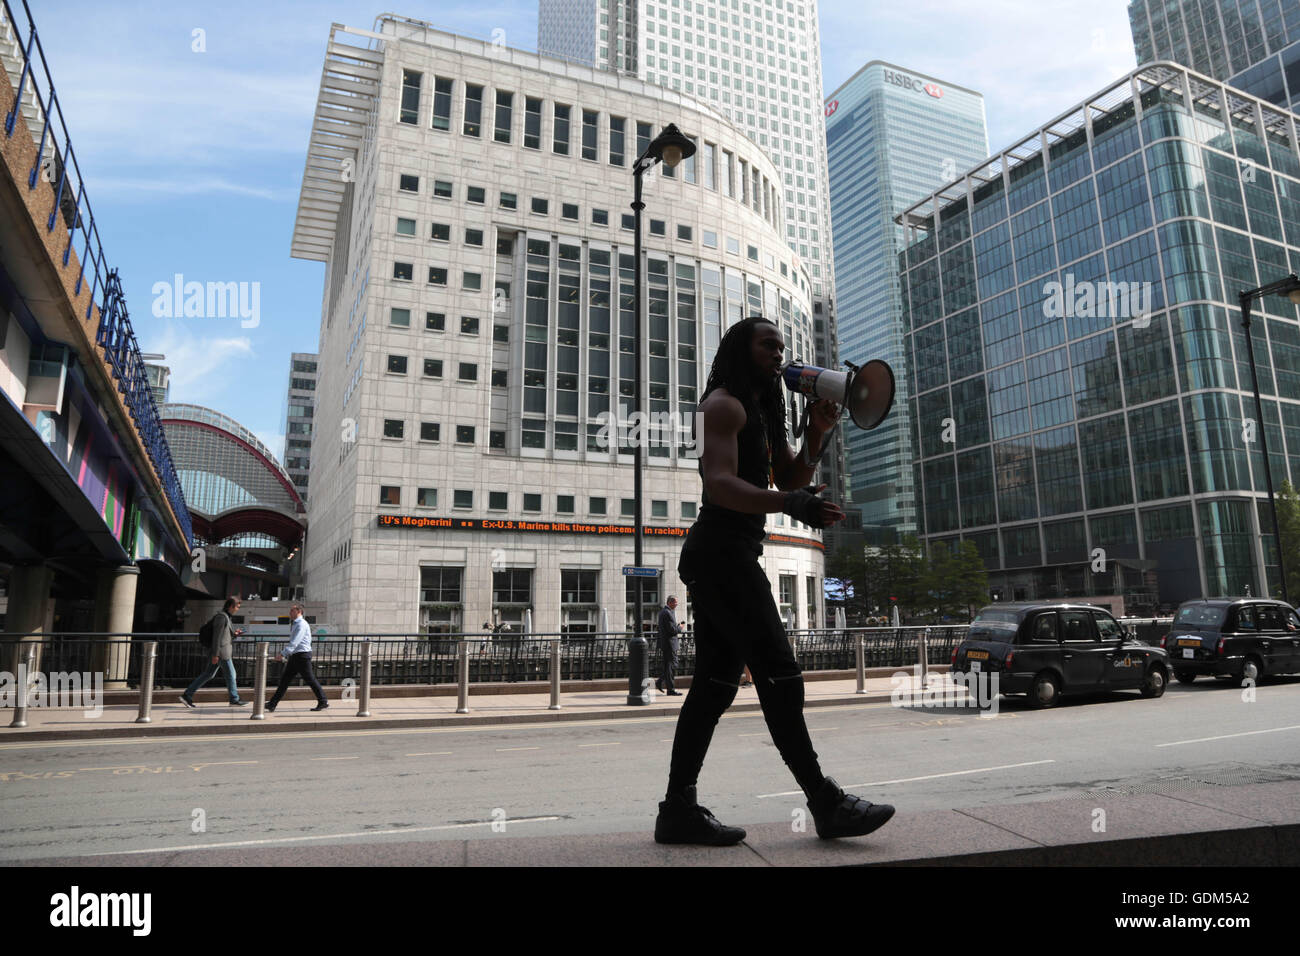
[[717, 525]]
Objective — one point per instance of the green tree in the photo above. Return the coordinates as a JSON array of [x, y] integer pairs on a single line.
[[1288, 522]]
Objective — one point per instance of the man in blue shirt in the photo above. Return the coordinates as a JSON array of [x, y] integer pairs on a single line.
[[297, 655]]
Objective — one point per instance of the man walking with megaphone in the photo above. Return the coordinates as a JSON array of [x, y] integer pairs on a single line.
[[749, 471]]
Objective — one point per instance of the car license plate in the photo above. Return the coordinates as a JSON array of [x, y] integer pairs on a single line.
[[974, 667], [977, 655], [1186, 643], [1189, 652]]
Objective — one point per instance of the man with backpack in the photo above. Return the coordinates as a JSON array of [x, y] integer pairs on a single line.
[[218, 637]]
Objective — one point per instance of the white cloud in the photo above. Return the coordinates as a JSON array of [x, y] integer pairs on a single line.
[[200, 365], [273, 441]]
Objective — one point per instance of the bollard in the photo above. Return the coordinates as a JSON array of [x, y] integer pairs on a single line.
[[638, 667], [556, 649], [25, 673], [923, 652], [860, 652], [462, 678], [259, 683], [150, 651], [364, 709]]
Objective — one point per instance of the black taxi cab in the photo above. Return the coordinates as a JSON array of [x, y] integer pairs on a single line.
[[1046, 650], [1233, 638]]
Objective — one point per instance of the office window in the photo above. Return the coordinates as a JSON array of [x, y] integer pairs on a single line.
[[390, 495], [600, 217], [399, 318], [589, 120], [532, 501], [435, 321], [405, 227], [509, 201], [688, 510], [709, 238], [505, 116], [442, 88], [426, 497], [627, 507], [437, 275], [596, 506], [658, 227], [498, 378], [408, 183], [684, 232], [532, 123], [469, 324], [617, 132], [464, 434], [658, 509], [432, 368], [752, 252], [473, 110], [410, 112], [462, 498], [496, 439], [541, 206], [498, 500], [430, 431], [394, 428], [476, 195], [560, 132], [442, 188], [628, 221], [474, 237], [397, 364], [564, 504], [569, 210], [500, 333], [440, 231], [733, 246], [403, 271], [472, 281], [468, 372]]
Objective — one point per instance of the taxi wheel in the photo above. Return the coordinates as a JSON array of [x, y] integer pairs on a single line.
[[1250, 670], [1154, 685], [1046, 690], [1185, 677]]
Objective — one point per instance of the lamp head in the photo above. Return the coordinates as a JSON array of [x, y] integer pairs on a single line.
[[671, 147]]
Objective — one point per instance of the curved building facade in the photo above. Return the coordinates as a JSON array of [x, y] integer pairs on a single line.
[[233, 484], [477, 348]]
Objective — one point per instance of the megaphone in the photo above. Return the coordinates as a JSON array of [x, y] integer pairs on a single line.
[[867, 391]]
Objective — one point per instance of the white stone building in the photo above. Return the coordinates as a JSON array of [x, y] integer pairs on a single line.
[[472, 206]]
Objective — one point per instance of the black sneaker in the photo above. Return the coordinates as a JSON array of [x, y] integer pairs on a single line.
[[269, 708], [682, 820], [321, 706], [239, 703], [840, 814], [187, 702]]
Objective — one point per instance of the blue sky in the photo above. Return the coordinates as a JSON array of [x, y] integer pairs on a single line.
[[193, 160]]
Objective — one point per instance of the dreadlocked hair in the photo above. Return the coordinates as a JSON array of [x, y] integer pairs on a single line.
[[733, 369]]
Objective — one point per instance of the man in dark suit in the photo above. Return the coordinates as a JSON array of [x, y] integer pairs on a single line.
[[668, 645]]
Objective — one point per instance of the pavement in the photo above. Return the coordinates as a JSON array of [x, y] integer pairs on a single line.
[[1247, 825]]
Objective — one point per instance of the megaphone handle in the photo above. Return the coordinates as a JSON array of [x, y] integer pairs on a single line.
[[802, 424], [826, 441]]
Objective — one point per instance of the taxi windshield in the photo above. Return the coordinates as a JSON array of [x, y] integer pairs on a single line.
[[1200, 615]]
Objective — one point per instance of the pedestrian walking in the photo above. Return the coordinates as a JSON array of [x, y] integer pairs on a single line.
[[669, 645], [223, 635], [297, 658], [743, 453]]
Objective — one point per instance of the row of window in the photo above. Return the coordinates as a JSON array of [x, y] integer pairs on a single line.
[[597, 507], [539, 205], [712, 167], [465, 372]]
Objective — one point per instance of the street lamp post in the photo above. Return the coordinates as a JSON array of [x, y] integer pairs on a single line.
[[1290, 287], [670, 147]]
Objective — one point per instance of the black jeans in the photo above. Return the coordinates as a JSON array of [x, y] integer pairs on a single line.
[[737, 624], [298, 664]]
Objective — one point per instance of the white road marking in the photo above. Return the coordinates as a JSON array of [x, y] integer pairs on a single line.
[[323, 836], [932, 776], [337, 758], [502, 750], [1248, 733], [433, 753], [615, 744]]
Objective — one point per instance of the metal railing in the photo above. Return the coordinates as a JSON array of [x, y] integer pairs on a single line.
[[37, 100], [501, 658]]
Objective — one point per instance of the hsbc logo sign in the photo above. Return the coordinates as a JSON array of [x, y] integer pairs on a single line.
[[832, 106], [912, 83]]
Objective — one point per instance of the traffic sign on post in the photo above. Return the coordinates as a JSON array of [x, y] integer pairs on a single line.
[[634, 572]]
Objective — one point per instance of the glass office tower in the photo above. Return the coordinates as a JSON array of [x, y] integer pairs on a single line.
[[1083, 408], [1253, 45], [881, 130]]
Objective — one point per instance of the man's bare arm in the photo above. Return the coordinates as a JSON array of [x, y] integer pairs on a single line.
[[724, 417]]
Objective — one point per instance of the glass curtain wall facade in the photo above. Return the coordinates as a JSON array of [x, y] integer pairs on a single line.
[[299, 418], [1253, 45], [881, 130], [1083, 408]]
